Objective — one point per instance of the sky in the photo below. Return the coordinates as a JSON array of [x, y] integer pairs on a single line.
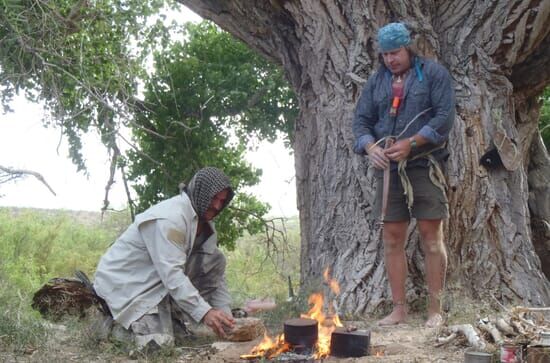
[[26, 144]]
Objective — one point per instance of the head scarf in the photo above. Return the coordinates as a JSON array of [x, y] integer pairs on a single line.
[[205, 184], [393, 36]]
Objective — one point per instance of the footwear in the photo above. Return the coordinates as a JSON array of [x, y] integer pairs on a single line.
[[434, 321]]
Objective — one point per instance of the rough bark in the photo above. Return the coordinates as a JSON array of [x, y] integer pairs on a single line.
[[493, 50]]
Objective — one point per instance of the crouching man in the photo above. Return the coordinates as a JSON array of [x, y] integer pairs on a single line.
[[166, 266]]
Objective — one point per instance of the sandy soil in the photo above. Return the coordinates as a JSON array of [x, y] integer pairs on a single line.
[[403, 343]]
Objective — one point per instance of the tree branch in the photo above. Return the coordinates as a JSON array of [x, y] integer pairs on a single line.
[[20, 173], [266, 26]]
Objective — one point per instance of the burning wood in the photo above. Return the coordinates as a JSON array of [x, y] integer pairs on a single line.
[[326, 324], [268, 348]]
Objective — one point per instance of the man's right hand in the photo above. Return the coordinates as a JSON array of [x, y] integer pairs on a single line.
[[377, 157], [219, 322]]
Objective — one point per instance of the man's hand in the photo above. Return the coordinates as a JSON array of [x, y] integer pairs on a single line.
[[399, 151], [377, 157], [219, 322]]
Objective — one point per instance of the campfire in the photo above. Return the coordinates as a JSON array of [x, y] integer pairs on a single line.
[[310, 334]]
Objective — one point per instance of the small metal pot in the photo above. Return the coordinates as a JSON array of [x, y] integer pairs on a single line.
[[545, 338], [538, 354], [478, 357], [344, 343], [301, 334]]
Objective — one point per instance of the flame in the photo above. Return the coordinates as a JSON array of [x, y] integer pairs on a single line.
[[331, 283], [328, 322], [270, 348]]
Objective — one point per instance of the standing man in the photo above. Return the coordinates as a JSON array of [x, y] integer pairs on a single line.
[[168, 263], [409, 100]]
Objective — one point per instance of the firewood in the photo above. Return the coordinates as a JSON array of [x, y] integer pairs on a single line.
[[246, 329], [518, 327], [523, 309], [63, 296], [487, 326], [440, 341], [471, 335], [504, 327]]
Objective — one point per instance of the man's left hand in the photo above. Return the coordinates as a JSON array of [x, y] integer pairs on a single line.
[[219, 322], [399, 151]]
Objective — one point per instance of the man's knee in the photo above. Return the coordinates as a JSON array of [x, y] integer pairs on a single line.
[[394, 235], [433, 246]]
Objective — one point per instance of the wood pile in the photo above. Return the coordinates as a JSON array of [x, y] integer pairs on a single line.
[[516, 326], [64, 296]]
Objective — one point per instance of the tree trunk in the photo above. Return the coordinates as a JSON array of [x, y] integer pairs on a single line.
[[497, 53]]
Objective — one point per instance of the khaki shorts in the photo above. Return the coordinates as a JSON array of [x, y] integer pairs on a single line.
[[429, 201]]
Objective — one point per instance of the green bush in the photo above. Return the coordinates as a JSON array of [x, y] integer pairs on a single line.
[[21, 329], [37, 246], [256, 269]]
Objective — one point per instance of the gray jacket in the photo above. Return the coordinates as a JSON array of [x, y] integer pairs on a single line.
[[159, 255], [429, 84]]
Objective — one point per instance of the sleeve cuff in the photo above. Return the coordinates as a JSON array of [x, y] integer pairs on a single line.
[[200, 311], [361, 142], [431, 135]]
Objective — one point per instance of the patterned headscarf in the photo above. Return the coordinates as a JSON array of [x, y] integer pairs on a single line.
[[205, 184], [393, 36]]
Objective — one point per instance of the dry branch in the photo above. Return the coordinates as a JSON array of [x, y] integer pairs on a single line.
[[471, 335], [490, 328], [440, 341], [17, 173], [504, 327]]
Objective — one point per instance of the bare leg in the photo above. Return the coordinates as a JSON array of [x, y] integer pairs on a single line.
[[394, 235], [431, 232]]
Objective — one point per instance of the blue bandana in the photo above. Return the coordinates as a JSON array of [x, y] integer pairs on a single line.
[[393, 36]]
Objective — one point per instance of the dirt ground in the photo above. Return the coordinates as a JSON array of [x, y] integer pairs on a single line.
[[405, 343], [410, 342]]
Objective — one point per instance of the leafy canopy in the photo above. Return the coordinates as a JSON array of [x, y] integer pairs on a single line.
[[77, 58], [209, 98]]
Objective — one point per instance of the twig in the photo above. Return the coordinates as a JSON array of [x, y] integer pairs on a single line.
[[199, 347], [22, 172], [445, 340], [523, 309]]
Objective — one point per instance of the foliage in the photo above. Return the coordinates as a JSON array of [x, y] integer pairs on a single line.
[[255, 270], [37, 247], [20, 328], [209, 98], [78, 57], [544, 122]]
